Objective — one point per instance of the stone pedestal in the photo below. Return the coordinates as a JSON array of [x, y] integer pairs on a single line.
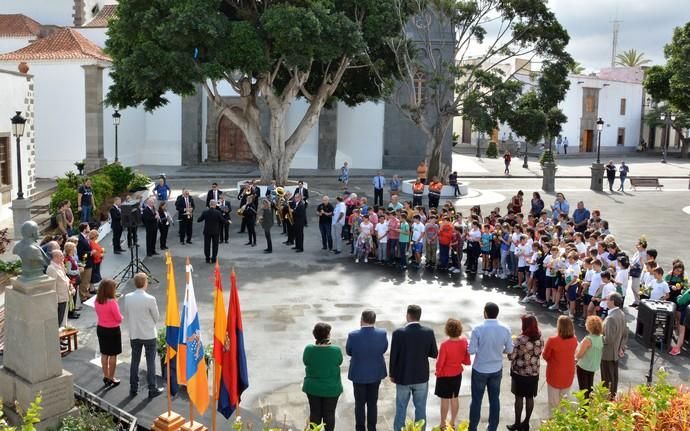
[[548, 181], [32, 364], [21, 212], [597, 183]]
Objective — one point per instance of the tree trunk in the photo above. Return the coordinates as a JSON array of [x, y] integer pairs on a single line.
[[684, 144], [436, 166]]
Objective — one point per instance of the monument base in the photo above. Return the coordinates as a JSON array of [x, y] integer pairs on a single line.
[[168, 422], [193, 426], [56, 393]]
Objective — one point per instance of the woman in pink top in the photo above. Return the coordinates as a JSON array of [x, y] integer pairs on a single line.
[[452, 355], [108, 330]]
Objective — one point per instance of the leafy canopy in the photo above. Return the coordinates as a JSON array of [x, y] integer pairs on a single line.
[[165, 45]]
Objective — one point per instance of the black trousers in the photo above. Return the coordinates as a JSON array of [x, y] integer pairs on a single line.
[[163, 228], [585, 380], [433, 200], [211, 246], [269, 244], [186, 229], [251, 230], [326, 237], [378, 196], [225, 232], [322, 409], [472, 255], [243, 225], [151, 233], [62, 306], [290, 232], [609, 376], [366, 395], [117, 239], [417, 200], [299, 236]]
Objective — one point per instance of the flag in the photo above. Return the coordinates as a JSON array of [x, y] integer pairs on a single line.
[[234, 378], [192, 345], [172, 325], [219, 332]]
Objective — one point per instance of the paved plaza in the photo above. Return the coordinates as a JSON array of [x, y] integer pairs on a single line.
[[284, 294]]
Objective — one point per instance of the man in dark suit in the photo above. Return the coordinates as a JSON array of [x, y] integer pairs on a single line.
[[213, 194], [224, 208], [615, 340], [299, 216], [85, 254], [213, 221], [149, 216], [305, 197], [116, 225], [245, 191], [185, 208], [411, 346], [366, 346]]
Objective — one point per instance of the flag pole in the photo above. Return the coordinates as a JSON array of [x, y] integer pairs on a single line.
[[169, 396], [213, 412], [188, 275]]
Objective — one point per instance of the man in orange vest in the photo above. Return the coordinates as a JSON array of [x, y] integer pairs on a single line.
[[435, 188], [417, 193]]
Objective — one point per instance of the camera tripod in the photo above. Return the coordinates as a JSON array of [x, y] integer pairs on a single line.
[[135, 265]]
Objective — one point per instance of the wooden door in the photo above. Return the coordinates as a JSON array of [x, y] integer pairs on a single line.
[[232, 144], [588, 141]]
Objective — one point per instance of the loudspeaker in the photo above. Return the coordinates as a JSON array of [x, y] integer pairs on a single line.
[[131, 215], [655, 321]]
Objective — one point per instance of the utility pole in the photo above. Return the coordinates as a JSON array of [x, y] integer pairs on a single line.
[[614, 42]]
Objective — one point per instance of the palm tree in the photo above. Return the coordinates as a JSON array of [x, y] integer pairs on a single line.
[[577, 68], [631, 58]]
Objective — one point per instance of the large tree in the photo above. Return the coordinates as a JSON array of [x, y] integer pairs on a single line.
[[670, 84], [270, 51], [484, 36]]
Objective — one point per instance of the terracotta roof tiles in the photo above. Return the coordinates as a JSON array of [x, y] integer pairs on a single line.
[[103, 16], [64, 44], [18, 25]]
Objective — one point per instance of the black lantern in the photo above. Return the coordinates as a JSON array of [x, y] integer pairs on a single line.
[[18, 124], [116, 122], [600, 127]]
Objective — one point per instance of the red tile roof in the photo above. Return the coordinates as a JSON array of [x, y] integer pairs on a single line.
[[18, 25], [64, 44], [103, 16]]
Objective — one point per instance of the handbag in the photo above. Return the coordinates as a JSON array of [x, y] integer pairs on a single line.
[[684, 299], [635, 271]]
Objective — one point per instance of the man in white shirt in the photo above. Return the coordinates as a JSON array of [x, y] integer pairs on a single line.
[[141, 315], [63, 289], [337, 224]]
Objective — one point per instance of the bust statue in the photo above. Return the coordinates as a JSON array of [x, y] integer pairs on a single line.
[[34, 259]]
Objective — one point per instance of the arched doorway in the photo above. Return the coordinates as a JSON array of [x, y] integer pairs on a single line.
[[232, 144]]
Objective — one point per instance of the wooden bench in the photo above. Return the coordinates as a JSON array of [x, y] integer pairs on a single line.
[[636, 182], [69, 335]]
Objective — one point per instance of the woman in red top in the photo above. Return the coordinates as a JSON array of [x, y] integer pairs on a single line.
[[97, 257], [108, 330], [452, 355], [559, 354]]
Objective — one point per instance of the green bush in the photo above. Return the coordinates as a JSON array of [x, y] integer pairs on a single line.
[[29, 419], [102, 188], [547, 157], [64, 192], [89, 419], [492, 151], [139, 182], [119, 176]]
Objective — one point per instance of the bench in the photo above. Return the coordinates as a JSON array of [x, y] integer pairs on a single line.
[[69, 335], [636, 182]]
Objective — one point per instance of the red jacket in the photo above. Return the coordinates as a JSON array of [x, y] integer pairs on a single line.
[[559, 355]]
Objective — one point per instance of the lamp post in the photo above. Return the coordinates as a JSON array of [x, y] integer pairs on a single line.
[[667, 118], [18, 123], [600, 127], [116, 122]]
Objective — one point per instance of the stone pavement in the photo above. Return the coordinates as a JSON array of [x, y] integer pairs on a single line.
[[284, 294]]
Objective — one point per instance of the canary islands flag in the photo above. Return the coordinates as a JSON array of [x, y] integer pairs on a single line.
[[234, 377], [191, 344], [172, 325]]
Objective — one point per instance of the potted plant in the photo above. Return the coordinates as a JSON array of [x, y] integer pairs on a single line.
[[80, 166], [455, 139]]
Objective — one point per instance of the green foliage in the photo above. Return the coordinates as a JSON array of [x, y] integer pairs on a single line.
[[119, 176], [492, 150], [462, 426], [11, 267], [138, 182], [631, 58], [102, 188], [29, 419], [89, 419], [547, 157], [62, 193], [161, 343], [577, 68]]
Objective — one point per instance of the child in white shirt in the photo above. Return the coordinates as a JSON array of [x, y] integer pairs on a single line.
[[382, 239], [659, 289], [608, 288]]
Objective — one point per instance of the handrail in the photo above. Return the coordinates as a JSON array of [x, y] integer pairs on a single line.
[[91, 398]]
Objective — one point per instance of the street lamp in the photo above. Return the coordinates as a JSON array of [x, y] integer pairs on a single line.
[[667, 119], [600, 127], [116, 122], [18, 123]]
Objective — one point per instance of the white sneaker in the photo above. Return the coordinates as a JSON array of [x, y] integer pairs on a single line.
[[357, 260], [456, 270], [452, 268], [503, 276], [366, 260], [524, 300], [553, 307]]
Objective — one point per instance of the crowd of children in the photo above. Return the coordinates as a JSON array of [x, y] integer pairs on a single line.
[[565, 262]]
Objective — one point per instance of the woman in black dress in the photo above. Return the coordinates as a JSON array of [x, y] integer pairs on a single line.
[[524, 370]]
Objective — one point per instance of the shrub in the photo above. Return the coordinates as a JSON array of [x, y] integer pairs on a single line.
[[29, 419], [492, 150], [11, 267], [139, 182], [102, 188], [63, 193], [119, 176], [89, 419], [547, 157]]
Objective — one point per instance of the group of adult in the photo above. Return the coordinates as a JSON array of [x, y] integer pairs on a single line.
[[412, 346]]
